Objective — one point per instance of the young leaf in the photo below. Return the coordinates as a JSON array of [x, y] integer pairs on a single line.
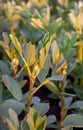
[[37, 23], [55, 51], [12, 120], [11, 103], [6, 48], [42, 57], [30, 54], [12, 86], [41, 123], [46, 39], [46, 16], [16, 43], [45, 49], [30, 119], [34, 121]]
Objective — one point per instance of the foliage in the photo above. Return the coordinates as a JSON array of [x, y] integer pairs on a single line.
[[38, 36]]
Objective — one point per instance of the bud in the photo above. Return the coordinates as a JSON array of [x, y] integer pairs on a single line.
[[64, 70], [35, 71], [15, 63]]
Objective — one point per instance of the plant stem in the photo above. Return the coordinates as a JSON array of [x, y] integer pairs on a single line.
[[63, 110], [30, 94], [31, 85], [20, 71], [36, 89], [29, 101]]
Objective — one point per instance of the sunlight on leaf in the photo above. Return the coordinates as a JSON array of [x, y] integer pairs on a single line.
[[16, 43], [37, 23], [12, 121], [80, 51], [30, 54], [39, 3], [55, 51]]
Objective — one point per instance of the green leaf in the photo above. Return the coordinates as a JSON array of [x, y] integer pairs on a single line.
[[71, 66], [56, 78], [11, 103], [77, 104], [3, 126], [41, 123], [53, 88], [68, 101], [35, 100], [44, 71], [1, 92], [73, 39], [42, 108], [12, 86], [16, 43], [42, 75], [4, 68], [22, 83], [79, 91], [24, 125], [68, 94], [51, 119], [74, 120]]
